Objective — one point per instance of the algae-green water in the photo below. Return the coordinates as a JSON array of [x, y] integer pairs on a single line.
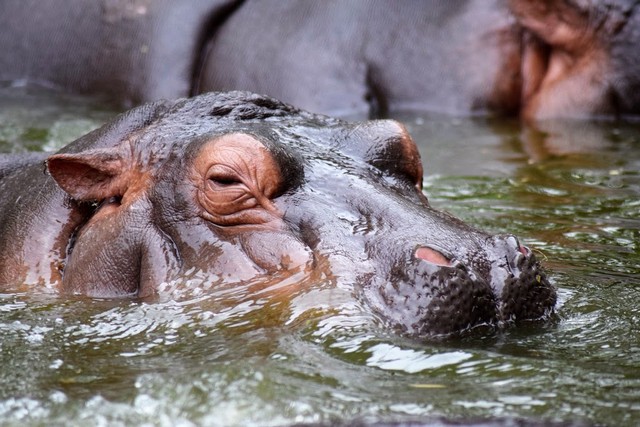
[[570, 191]]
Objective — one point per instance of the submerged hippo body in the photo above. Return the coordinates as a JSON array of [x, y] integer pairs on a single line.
[[239, 186], [539, 59]]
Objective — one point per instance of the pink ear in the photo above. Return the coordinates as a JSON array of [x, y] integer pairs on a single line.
[[91, 175]]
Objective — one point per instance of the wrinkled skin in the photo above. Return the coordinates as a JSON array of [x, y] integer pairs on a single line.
[[537, 59], [239, 187]]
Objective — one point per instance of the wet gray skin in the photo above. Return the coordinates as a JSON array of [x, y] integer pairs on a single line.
[[241, 187]]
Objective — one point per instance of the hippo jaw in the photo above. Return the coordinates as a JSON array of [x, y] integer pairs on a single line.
[[425, 298]]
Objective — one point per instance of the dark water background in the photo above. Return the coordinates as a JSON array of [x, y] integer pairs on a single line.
[[316, 355]]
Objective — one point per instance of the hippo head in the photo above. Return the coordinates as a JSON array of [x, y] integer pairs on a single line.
[[239, 186]]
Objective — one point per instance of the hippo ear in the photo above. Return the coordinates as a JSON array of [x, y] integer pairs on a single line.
[[91, 175]]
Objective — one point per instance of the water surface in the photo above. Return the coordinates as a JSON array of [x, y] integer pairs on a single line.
[[253, 356]]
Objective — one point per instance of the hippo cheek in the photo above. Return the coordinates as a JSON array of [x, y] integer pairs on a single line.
[[118, 253], [274, 251]]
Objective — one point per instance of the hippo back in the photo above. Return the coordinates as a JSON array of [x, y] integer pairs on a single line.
[[9, 163]]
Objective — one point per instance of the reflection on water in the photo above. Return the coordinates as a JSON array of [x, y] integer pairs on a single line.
[[394, 358], [216, 354], [31, 119]]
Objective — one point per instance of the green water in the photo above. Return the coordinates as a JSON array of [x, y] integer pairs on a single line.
[[316, 355]]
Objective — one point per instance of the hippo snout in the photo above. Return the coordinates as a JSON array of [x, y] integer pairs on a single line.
[[439, 294], [527, 294], [518, 280]]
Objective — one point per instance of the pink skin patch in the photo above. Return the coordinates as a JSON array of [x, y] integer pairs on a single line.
[[432, 256], [524, 250]]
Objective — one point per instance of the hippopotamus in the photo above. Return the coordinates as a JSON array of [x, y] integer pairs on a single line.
[[538, 59], [535, 59], [238, 187]]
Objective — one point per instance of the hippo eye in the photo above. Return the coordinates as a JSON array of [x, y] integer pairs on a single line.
[[223, 176], [237, 178], [224, 181]]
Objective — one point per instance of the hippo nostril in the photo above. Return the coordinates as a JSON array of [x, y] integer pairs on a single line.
[[432, 256], [516, 250], [513, 241]]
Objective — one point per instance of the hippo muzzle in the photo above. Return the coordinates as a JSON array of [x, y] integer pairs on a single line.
[[429, 298]]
